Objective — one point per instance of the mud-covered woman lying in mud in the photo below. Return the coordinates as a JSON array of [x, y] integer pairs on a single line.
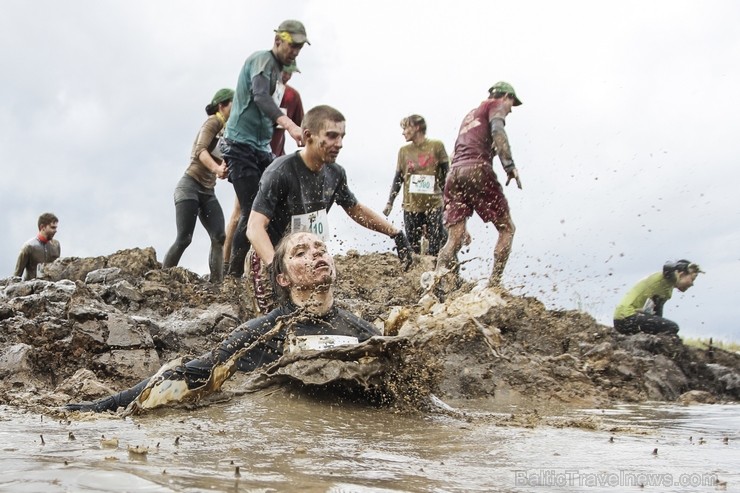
[[303, 275]]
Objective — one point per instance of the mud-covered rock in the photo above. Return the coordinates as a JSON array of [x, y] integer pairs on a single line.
[[133, 262], [696, 397], [95, 325]]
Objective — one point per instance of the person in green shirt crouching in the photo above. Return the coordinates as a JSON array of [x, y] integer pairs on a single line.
[[641, 309]]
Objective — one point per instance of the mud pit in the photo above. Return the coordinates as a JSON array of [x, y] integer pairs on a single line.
[[99, 325]]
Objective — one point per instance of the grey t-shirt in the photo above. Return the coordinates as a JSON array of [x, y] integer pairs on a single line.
[[288, 188], [34, 253]]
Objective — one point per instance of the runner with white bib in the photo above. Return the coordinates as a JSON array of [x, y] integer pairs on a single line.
[[316, 222], [421, 171], [296, 193]]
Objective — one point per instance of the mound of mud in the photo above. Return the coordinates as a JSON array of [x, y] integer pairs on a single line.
[[97, 325]]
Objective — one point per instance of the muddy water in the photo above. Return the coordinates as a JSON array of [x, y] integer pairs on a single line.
[[284, 443]]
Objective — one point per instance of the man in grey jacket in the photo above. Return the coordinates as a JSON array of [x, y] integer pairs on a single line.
[[41, 249]]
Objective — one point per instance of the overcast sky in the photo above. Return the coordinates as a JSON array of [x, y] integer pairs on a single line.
[[626, 142]]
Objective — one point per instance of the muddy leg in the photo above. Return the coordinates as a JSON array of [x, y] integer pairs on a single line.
[[502, 249]]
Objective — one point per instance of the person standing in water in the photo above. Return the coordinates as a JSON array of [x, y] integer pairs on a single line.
[[194, 194]]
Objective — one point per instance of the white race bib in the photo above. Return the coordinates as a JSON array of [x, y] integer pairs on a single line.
[[313, 222], [421, 184], [319, 342], [277, 96]]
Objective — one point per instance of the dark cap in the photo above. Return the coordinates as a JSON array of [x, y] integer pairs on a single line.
[[296, 30], [505, 87], [682, 265]]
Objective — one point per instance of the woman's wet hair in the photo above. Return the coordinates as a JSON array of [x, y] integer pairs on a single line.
[[279, 266]]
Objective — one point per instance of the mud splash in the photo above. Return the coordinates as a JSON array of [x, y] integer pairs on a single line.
[[93, 326]]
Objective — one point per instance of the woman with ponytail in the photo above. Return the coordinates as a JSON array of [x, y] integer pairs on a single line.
[[194, 194]]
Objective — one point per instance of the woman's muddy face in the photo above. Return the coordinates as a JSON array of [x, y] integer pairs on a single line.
[[308, 263]]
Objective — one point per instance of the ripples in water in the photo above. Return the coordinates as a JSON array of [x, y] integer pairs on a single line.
[[280, 443]]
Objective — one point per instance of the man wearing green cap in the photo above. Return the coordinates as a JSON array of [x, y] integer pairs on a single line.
[[472, 185], [246, 142], [289, 101]]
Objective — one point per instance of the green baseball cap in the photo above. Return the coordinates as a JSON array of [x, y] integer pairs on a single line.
[[222, 95], [507, 88], [296, 29], [293, 67]]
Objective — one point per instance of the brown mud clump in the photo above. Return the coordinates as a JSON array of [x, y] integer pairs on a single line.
[[93, 326]]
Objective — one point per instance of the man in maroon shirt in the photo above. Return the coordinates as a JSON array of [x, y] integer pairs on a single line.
[[291, 105], [472, 184]]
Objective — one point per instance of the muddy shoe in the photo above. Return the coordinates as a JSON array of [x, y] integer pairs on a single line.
[[437, 284], [428, 280]]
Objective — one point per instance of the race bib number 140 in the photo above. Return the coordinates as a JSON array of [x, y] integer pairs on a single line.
[[313, 222]]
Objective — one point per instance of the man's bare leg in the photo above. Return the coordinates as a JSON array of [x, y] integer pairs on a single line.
[[447, 255], [502, 250]]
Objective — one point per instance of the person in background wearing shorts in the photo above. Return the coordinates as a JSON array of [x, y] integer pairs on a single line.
[[195, 196], [641, 309], [472, 185], [40, 249], [246, 142], [421, 170], [296, 193]]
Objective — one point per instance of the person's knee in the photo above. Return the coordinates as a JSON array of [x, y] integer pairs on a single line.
[[506, 227], [671, 327], [184, 241], [625, 327], [219, 238]]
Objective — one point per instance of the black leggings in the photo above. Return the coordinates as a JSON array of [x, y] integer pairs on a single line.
[[436, 233], [211, 216], [246, 165], [642, 322], [246, 190]]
